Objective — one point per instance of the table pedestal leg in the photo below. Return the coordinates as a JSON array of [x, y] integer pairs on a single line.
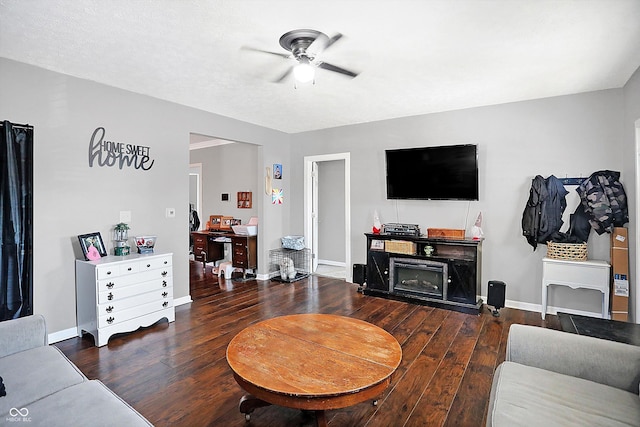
[[321, 419], [249, 403]]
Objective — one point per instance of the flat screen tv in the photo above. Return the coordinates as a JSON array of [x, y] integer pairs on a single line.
[[433, 173]]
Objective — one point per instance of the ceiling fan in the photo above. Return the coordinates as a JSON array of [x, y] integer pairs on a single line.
[[306, 46]]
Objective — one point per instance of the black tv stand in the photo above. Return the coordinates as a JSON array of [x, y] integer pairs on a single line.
[[438, 272]]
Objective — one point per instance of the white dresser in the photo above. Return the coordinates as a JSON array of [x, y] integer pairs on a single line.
[[123, 293]]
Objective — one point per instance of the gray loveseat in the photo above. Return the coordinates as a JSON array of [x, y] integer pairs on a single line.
[[554, 378], [44, 388]]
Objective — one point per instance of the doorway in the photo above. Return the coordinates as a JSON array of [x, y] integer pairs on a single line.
[[314, 194]]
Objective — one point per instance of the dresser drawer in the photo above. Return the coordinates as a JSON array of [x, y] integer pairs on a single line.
[[108, 271], [133, 312], [155, 263], [129, 291], [128, 280], [116, 306]]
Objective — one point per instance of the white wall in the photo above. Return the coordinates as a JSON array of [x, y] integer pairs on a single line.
[[70, 198], [566, 136]]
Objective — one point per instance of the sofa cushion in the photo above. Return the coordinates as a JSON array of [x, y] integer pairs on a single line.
[[90, 403], [33, 374], [524, 396]]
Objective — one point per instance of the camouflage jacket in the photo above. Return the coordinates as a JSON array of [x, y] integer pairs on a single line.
[[604, 201]]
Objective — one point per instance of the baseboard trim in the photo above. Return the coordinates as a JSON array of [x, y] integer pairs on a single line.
[[182, 300], [550, 309], [55, 337], [333, 263]]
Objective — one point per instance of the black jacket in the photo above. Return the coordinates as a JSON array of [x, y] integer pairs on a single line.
[[542, 216]]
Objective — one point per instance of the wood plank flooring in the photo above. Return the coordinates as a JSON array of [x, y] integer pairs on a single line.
[[177, 375]]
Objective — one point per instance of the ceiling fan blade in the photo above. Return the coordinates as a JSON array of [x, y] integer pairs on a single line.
[[330, 67], [253, 49], [322, 43], [283, 76], [333, 39]]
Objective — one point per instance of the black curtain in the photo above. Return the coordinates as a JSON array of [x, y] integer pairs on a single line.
[[16, 216]]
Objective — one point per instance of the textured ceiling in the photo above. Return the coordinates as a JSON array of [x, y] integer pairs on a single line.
[[414, 57]]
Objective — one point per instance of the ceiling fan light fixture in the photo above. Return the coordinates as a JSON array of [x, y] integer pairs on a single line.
[[304, 72]]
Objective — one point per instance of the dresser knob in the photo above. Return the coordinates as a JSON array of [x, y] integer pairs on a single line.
[[166, 262], [108, 273], [110, 320], [164, 273], [148, 265], [164, 283], [129, 269], [110, 296], [164, 294], [110, 285], [109, 309], [164, 304]]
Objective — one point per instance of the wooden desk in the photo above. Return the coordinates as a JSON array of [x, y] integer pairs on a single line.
[[589, 274], [244, 249], [312, 362]]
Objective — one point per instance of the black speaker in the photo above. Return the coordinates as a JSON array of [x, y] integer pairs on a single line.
[[359, 273], [495, 295]]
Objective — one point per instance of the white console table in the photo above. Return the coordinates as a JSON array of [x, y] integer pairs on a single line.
[[590, 274]]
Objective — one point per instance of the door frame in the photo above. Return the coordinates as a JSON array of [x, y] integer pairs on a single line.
[[196, 169], [309, 213], [635, 283]]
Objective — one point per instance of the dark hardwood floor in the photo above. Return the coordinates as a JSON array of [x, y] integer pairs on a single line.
[[177, 375]]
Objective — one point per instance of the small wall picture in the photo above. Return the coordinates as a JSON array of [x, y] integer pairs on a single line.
[[277, 196], [277, 171], [245, 199], [92, 246]]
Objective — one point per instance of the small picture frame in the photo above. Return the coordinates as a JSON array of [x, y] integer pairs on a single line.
[[277, 171], [89, 240], [245, 199]]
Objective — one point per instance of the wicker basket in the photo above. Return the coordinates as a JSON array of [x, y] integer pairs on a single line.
[[567, 251]]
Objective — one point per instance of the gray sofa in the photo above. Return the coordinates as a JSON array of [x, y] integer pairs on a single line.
[[44, 388], [554, 378]]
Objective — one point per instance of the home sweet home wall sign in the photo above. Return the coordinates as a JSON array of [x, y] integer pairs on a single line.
[[110, 153]]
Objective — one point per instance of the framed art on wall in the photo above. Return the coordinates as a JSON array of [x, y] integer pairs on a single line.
[[92, 246], [244, 199], [277, 171]]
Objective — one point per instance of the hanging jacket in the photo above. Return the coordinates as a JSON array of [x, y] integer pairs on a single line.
[[542, 216], [533, 210], [604, 201], [552, 209]]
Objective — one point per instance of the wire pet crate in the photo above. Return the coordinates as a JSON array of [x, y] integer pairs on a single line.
[[301, 260]]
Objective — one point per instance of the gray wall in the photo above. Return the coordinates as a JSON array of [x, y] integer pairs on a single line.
[[570, 135], [70, 198], [565, 136], [228, 169]]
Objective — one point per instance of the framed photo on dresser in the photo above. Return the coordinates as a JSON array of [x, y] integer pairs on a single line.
[[91, 243]]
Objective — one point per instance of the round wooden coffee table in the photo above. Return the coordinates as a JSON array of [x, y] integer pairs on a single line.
[[312, 362]]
